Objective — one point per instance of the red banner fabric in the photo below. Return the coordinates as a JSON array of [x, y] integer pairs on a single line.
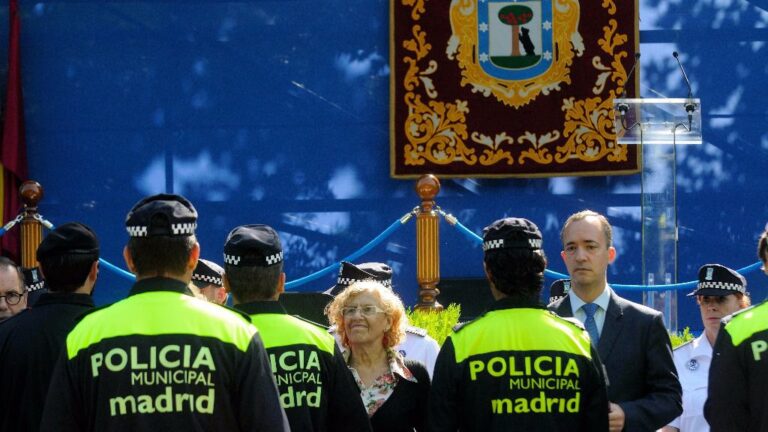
[[504, 88], [13, 152]]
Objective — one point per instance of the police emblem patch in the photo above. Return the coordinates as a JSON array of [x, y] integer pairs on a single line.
[[692, 364]]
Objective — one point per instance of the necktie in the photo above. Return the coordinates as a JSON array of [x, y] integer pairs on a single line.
[[590, 309]]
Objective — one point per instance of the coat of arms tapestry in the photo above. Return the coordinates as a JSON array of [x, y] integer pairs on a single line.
[[506, 88]]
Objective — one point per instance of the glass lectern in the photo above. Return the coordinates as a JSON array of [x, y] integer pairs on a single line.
[[659, 125]]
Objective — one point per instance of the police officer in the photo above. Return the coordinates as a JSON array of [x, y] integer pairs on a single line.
[[518, 366], [720, 292], [317, 390], [738, 375], [207, 277], [162, 359], [32, 341], [417, 345]]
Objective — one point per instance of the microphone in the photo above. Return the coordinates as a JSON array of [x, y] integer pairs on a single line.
[[623, 107], [690, 107]]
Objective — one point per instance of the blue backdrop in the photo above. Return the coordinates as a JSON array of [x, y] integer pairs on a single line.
[[277, 112]]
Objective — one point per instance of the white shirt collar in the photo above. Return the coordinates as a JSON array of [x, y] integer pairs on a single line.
[[602, 300], [701, 347]]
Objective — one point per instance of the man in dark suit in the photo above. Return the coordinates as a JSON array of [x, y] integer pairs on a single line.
[[631, 339]]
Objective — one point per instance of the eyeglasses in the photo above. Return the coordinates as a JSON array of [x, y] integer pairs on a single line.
[[365, 310], [12, 298]]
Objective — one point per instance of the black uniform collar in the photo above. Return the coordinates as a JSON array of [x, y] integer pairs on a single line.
[[514, 302], [154, 284], [261, 307], [64, 298]]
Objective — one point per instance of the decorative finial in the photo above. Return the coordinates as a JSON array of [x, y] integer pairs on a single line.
[[31, 193], [428, 187]]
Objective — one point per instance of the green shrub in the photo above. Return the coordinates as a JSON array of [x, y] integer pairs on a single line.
[[438, 324], [681, 338]]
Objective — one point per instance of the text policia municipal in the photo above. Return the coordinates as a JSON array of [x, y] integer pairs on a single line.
[[188, 366], [528, 374]]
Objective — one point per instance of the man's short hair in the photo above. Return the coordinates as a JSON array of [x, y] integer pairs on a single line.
[[161, 255], [7, 262], [607, 230], [252, 283]]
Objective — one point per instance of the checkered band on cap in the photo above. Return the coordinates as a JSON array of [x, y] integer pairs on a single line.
[[721, 286], [35, 286], [274, 259], [183, 228], [176, 229], [268, 260], [212, 280], [493, 244], [346, 281], [137, 231], [522, 244]]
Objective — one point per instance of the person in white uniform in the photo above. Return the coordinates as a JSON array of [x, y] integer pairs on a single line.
[[719, 293], [417, 345]]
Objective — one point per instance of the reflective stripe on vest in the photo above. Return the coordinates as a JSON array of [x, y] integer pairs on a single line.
[[168, 313]]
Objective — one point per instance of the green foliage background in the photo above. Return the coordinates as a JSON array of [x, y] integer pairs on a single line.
[[438, 324]]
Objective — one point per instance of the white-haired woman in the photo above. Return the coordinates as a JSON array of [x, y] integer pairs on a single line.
[[371, 321]]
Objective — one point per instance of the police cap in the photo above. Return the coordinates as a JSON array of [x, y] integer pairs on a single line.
[[350, 273], [33, 280], [511, 233], [71, 238], [162, 215], [559, 289], [207, 273], [253, 245], [718, 280]]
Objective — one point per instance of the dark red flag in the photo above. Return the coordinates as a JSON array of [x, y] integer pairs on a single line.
[[13, 151]]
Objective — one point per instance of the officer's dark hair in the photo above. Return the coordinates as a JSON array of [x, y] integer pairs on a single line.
[[66, 273], [7, 262], [517, 272], [253, 283], [762, 247], [160, 254]]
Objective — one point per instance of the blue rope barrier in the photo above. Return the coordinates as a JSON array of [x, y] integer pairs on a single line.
[[555, 275], [352, 257], [120, 272], [115, 269]]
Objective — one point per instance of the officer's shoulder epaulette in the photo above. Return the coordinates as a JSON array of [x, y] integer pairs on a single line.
[[462, 325], [686, 343], [418, 331], [322, 326]]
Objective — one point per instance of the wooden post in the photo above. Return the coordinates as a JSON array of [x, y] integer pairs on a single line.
[[428, 243], [31, 229]]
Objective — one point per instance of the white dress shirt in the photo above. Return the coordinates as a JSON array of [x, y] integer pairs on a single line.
[[602, 301], [692, 362]]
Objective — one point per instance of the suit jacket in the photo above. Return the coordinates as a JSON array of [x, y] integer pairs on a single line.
[[635, 349]]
